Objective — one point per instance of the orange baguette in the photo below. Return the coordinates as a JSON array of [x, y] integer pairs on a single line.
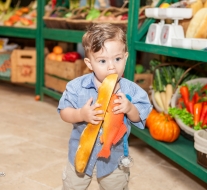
[[89, 134]]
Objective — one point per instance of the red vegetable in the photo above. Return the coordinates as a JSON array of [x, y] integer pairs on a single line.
[[196, 97], [185, 94], [71, 56], [190, 106], [203, 113], [204, 88], [197, 112], [204, 122], [180, 103], [124, 17]]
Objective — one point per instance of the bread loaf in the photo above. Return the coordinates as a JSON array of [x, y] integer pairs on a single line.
[[198, 25], [196, 6]]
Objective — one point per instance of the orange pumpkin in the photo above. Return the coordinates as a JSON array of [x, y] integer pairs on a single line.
[[162, 127], [152, 115]]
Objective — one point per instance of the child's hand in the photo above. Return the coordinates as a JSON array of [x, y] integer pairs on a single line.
[[89, 114], [124, 104]]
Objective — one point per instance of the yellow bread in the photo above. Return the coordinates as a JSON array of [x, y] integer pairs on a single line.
[[89, 134], [196, 6], [198, 25], [205, 4]]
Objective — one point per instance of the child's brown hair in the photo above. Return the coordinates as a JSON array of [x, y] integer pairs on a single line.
[[93, 40]]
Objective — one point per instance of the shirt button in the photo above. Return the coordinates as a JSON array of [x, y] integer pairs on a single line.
[[98, 144]]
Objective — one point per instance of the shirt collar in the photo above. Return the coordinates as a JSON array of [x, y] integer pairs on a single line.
[[89, 82]]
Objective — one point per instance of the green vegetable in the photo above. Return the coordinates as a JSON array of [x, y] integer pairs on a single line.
[[139, 69], [183, 114], [93, 14]]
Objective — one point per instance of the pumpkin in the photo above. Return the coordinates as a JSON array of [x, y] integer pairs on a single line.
[[89, 134], [162, 127], [152, 115]]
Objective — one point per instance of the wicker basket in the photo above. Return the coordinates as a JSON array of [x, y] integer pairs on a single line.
[[56, 22], [78, 21], [200, 145], [174, 99], [115, 12], [178, 83]]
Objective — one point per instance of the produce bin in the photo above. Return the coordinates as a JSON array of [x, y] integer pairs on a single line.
[[23, 66]]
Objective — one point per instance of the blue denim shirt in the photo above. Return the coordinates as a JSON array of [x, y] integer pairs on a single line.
[[77, 93]]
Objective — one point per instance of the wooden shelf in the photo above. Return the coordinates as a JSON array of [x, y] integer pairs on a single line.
[[181, 151]]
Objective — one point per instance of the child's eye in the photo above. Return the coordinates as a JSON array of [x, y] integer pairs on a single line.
[[102, 61], [118, 59]]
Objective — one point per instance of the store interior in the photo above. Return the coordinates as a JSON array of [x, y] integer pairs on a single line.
[[40, 51]]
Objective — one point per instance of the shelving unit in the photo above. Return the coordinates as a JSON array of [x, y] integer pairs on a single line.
[[182, 151]]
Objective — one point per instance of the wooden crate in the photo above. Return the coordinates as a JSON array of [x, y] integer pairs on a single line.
[[55, 83], [144, 80], [64, 69], [23, 66]]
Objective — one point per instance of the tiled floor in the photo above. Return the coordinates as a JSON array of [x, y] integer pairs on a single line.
[[33, 149]]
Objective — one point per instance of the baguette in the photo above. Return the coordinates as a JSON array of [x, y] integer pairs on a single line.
[[89, 134]]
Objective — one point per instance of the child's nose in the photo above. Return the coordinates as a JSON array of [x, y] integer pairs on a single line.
[[111, 65]]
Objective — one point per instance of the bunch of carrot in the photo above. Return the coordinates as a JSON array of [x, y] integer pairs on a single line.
[[165, 80], [194, 99]]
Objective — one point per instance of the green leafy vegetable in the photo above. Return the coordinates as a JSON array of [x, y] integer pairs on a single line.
[[183, 114]]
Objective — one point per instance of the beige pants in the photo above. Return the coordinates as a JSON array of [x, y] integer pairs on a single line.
[[118, 180]]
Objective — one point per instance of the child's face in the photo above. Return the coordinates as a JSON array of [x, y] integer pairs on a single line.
[[109, 60]]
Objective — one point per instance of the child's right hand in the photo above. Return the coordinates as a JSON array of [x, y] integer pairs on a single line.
[[89, 113]]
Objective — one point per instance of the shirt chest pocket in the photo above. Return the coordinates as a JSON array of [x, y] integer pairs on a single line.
[[82, 100]]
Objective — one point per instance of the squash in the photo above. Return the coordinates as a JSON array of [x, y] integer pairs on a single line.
[[89, 134], [152, 116], [162, 127]]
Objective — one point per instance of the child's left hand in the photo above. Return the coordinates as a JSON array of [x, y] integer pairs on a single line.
[[124, 104]]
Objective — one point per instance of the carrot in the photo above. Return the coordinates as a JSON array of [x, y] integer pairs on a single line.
[[196, 97], [203, 113], [204, 122], [169, 93], [197, 113], [185, 94], [158, 99], [204, 88], [190, 106]]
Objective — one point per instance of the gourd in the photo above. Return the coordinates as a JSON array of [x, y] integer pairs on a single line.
[[162, 127]]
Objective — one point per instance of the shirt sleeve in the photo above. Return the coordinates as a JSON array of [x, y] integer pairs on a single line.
[[141, 101], [69, 97]]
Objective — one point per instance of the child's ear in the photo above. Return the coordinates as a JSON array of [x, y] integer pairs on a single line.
[[88, 63], [126, 55]]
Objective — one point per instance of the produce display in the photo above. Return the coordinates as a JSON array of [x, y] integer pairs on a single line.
[[58, 55], [190, 106], [18, 16], [166, 79]]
